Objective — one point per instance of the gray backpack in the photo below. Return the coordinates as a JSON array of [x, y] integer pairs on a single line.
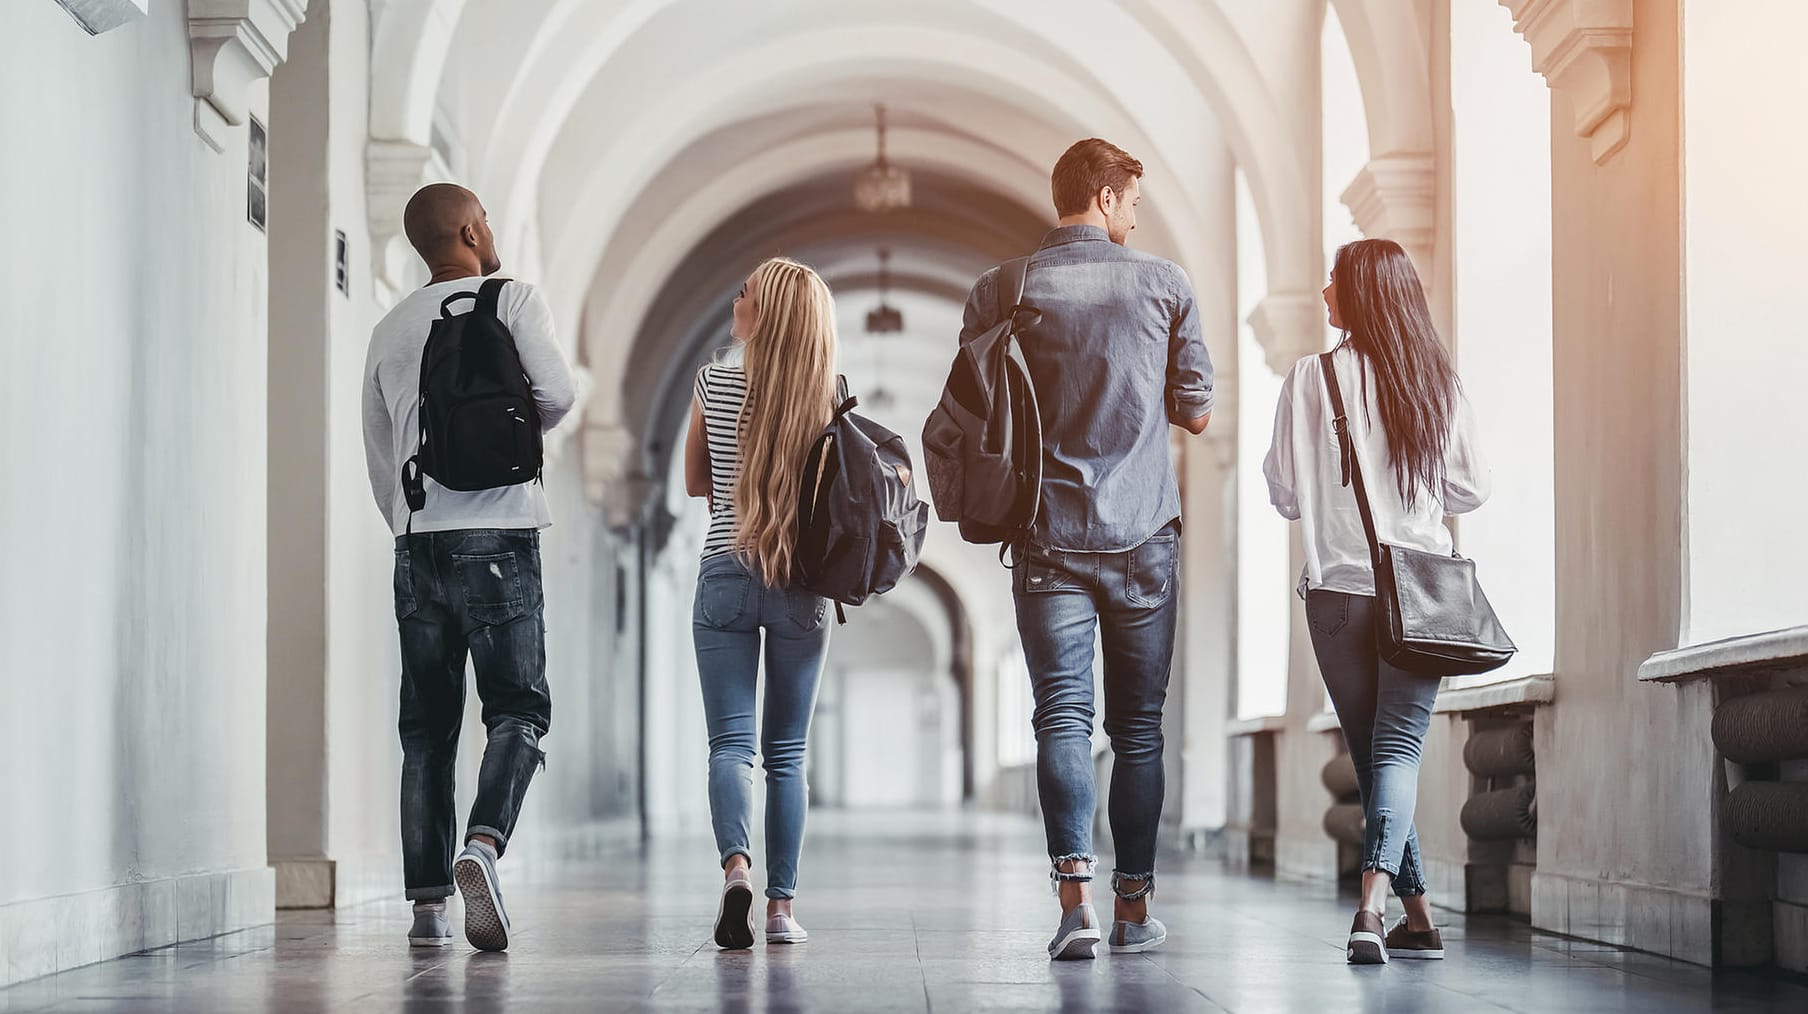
[[860, 526]]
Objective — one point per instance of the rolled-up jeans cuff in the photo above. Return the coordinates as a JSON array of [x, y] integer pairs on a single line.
[[1082, 877], [430, 893], [780, 893], [489, 832], [737, 850]]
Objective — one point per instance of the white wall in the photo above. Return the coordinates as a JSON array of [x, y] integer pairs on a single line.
[[1746, 214], [1501, 181], [131, 689]]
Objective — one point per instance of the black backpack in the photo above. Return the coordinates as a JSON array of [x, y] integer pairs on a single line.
[[480, 425], [982, 444], [860, 526]]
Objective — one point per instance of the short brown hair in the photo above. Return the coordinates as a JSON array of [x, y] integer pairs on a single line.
[[1088, 167]]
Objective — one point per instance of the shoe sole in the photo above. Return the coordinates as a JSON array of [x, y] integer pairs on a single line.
[[1075, 946], [1422, 954], [788, 938], [429, 941], [484, 927], [1366, 949], [1138, 948], [734, 918]]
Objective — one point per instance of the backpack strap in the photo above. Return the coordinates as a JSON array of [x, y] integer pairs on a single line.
[[844, 402], [1011, 275], [489, 297]]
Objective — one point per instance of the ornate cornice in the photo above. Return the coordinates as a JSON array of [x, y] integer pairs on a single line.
[[232, 43], [1584, 50], [1395, 197], [1289, 326], [98, 16]]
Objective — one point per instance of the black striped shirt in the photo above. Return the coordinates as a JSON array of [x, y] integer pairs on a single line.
[[722, 391]]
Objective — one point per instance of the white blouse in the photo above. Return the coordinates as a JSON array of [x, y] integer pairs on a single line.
[[1305, 477]]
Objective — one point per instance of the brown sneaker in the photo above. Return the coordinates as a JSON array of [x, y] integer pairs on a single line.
[[1405, 943], [1367, 945]]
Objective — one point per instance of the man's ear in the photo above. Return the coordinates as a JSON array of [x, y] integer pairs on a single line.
[[467, 235], [1107, 199]]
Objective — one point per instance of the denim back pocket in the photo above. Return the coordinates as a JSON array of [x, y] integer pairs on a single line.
[[722, 595], [1149, 571], [1327, 612], [492, 587], [807, 610]]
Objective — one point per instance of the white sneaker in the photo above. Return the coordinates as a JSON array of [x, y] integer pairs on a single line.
[[734, 915], [782, 929]]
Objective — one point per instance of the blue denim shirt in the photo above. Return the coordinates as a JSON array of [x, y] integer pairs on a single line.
[[1116, 357]]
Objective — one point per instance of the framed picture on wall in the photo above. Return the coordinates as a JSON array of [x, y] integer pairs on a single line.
[[258, 187]]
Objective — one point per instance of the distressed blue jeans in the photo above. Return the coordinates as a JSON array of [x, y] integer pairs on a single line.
[[731, 610], [1385, 713], [467, 594], [1129, 600]]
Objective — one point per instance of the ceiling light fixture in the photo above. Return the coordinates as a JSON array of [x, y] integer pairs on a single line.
[[882, 186]]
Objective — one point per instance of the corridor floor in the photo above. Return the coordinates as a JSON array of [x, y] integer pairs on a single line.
[[944, 913]]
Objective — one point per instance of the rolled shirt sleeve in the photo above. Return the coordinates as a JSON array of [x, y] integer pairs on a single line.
[[1189, 364]]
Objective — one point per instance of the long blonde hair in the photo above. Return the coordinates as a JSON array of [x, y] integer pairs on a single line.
[[789, 357]]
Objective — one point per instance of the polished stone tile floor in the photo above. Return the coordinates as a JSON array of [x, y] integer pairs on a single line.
[[933, 913]]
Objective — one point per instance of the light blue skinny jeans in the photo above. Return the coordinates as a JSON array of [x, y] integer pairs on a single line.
[[1385, 713], [731, 610]]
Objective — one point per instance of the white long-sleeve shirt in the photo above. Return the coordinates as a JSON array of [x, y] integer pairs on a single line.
[[392, 384], [1304, 474]]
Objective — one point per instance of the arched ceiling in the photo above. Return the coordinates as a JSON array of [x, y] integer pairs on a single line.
[[639, 155], [600, 129]]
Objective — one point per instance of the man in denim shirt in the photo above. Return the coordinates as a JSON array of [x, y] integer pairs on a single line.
[[1116, 356]]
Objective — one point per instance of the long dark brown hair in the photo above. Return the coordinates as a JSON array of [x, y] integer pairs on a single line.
[[1385, 318]]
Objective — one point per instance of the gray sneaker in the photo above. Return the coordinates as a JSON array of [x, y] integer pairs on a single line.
[[431, 929], [1132, 937], [1077, 935], [486, 921]]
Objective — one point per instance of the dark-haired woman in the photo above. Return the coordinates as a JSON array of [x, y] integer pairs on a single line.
[[1414, 438]]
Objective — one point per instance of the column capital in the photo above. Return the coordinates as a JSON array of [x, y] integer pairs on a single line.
[[232, 43], [1289, 326], [1395, 197], [609, 472], [393, 171], [1584, 50], [100, 16]]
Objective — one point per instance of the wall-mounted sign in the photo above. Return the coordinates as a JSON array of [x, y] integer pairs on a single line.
[[341, 259], [258, 196]]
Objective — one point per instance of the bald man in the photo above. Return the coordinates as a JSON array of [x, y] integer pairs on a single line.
[[467, 579]]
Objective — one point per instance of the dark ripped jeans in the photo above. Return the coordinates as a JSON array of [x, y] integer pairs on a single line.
[[472, 593], [1385, 713], [1129, 600]]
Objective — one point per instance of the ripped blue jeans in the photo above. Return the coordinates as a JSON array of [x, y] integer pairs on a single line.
[[1385, 713]]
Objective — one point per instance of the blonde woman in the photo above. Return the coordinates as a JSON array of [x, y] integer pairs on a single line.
[[751, 425]]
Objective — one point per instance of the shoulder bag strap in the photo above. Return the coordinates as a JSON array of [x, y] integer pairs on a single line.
[[1346, 449]]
